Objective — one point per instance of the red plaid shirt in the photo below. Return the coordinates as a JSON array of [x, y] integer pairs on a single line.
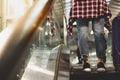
[[89, 9]]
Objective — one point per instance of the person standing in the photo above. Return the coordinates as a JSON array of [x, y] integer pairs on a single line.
[[97, 11]]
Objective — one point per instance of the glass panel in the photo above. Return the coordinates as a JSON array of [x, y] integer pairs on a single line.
[[42, 63]]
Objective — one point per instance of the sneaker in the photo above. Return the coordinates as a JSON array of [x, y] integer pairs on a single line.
[[86, 67], [101, 67], [85, 58]]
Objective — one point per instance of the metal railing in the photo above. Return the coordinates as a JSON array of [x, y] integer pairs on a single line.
[[63, 54]]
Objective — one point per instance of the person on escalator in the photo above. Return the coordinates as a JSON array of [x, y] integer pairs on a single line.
[[97, 11]]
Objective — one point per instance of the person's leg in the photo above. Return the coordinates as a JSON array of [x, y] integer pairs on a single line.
[[82, 26], [79, 56], [100, 41]]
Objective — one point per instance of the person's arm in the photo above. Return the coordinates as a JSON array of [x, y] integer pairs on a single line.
[[107, 24], [108, 15], [70, 23]]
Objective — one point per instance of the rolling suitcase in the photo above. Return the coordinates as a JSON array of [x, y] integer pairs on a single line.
[[116, 42]]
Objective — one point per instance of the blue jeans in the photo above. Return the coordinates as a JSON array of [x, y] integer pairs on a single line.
[[83, 34]]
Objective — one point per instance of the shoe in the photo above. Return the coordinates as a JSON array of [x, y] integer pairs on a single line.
[[85, 58], [101, 67], [86, 67]]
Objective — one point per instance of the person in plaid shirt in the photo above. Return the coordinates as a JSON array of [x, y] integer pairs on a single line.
[[97, 11]]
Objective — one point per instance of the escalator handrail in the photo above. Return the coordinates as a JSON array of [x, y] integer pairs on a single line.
[[65, 51], [57, 62], [18, 36]]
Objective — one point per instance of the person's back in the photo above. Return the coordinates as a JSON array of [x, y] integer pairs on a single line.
[[116, 42]]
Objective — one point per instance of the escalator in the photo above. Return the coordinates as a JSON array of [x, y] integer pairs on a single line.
[[76, 70], [31, 52]]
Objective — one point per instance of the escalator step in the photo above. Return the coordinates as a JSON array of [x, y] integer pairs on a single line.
[[109, 74]]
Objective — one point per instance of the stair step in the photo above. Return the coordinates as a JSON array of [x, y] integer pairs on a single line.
[[77, 73]]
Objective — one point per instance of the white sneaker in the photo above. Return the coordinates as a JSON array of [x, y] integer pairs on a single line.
[[101, 67], [86, 67]]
